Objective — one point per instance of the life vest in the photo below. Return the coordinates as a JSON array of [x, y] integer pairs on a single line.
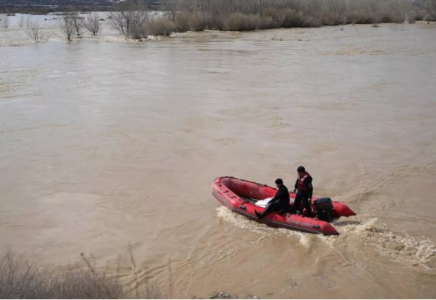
[[301, 186]]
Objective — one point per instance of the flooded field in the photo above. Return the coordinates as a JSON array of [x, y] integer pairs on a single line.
[[106, 142]]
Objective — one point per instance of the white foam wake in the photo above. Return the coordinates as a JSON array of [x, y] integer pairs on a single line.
[[244, 223], [401, 248]]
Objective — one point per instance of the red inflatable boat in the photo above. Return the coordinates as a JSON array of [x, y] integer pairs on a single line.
[[241, 196]]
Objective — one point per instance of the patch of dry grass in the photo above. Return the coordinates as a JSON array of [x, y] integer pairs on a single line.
[[161, 26], [194, 22], [242, 22], [246, 15], [21, 279]]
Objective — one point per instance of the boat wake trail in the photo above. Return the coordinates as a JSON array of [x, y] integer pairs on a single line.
[[244, 223], [354, 232], [401, 248]]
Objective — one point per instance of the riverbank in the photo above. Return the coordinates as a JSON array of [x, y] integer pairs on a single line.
[[134, 20], [255, 15], [22, 279], [270, 18]]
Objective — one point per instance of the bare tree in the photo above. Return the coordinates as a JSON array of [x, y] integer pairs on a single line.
[[430, 9], [305, 4], [33, 30], [171, 7], [138, 25], [78, 23], [92, 23], [4, 22], [21, 23], [374, 10], [118, 21], [67, 26], [130, 20]]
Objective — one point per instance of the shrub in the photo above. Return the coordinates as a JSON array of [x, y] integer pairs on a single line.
[[198, 23], [411, 17], [419, 15], [235, 22], [362, 17], [270, 12], [161, 26], [252, 23], [130, 20], [290, 18], [309, 21], [183, 22], [241, 22], [78, 283], [245, 15], [218, 23], [20, 279], [33, 30], [331, 19], [208, 22], [267, 23]]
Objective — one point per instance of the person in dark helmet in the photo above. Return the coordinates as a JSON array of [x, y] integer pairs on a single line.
[[303, 189], [279, 202]]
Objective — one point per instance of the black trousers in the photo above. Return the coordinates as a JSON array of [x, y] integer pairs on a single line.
[[275, 206], [302, 196]]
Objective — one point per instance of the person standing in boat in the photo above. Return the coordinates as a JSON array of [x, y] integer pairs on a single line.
[[279, 202], [303, 189]]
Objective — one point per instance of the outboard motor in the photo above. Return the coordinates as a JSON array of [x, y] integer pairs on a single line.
[[323, 209]]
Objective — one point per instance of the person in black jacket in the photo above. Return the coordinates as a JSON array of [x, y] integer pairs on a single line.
[[304, 189], [279, 202]]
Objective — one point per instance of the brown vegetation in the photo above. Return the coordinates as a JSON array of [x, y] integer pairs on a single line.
[[255, 14], [21, 279], [248, 15], [131, 20], [4, 21], [171, 7], [66, 25], [77, 22], [33, 30], [242, 22], [189, 22], [131, 17], [429, 7], [161, 26], [92, 23]]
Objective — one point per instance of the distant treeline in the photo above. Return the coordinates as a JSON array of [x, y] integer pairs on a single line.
[[247, 15], [40, 10], [313, 12], [322, 12], [131, 17], [40, 7]]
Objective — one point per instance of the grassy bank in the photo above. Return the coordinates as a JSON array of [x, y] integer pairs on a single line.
[[131, 17], [253, 15], [21, 279], [249, 15]]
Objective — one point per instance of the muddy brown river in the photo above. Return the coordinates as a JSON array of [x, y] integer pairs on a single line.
[[106, 142]]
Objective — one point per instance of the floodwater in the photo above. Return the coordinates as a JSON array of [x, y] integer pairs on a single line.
[[106, 143]]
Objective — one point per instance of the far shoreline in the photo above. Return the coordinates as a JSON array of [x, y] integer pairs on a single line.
[[135, 21]]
